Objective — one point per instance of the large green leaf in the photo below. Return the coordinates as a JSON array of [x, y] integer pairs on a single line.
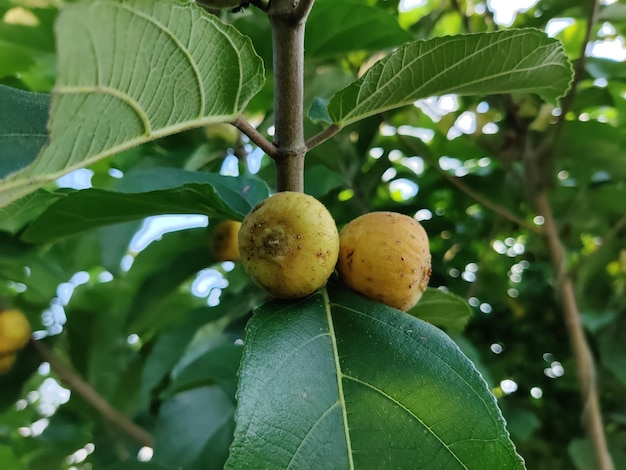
[[340, 26], [132, 71], [161, 191], [23, 133], [475, 64], [338, 381]]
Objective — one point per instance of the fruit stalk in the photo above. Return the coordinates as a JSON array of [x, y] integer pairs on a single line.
[[288, 19]]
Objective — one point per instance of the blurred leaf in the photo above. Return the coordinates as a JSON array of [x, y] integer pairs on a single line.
[[522, 423], [167, 191], [17, 214], [443, 309], [219, 365], [336, 27], [606, 68], [8, 459], [134, 465], [23, 132], [612, 348], [108, 98], [361, 385], [320, 181], [196, 429], [514, 61]]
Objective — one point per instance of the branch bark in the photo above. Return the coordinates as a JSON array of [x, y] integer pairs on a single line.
[[585, 366], [255, 136], [70, 378], [288, 19]]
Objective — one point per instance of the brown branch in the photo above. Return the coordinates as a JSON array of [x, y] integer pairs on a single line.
[[579, 69], [288, 19], [255, 136], [585, 366], [322, 136], [501, 211], [70, 378]]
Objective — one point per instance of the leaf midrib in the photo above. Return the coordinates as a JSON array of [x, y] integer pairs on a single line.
[[339, 375]]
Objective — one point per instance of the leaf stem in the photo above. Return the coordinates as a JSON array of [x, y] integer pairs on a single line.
[[70, 378], [322, 136], [255, 136]]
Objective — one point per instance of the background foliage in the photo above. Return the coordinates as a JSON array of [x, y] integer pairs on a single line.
[[156, 327]]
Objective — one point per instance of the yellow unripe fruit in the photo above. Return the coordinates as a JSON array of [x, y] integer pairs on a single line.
[[6, 362], [225, 241], [289, 244], [14, 331], [385, 256]]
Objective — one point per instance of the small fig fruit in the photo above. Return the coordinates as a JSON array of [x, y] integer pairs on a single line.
[[14, 331], [385, 256], [225, 243], [6, 362], [289, 244]]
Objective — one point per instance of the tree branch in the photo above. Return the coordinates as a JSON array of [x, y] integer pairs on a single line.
[[91, 396], [579, 69], [255, 136], [585, 366], [322, 136], [288, 19], [501, 211]]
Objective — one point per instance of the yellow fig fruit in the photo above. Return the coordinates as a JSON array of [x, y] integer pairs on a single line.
[[225, 242], [289, 244], [14, 331], [6, 362], [385, 256]]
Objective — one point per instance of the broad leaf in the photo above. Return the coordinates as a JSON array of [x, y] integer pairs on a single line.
[[17, 214], [340, 26], [196, 427], [512, 61], [163, 191], [23, 133], [132, 71], [443, 309], [338, 381]]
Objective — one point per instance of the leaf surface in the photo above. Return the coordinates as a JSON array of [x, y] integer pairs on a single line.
[[338, 381], [512, 61], [132, 71], [23, 133], [145, 193]]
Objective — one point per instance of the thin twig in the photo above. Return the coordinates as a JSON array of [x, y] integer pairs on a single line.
[[255, 136], [579, 69], [585, 366], [501, 211], [322, 136], [70, 378]]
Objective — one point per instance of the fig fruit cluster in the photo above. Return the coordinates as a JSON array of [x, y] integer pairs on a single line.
[[15, 332], [289, 245]]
